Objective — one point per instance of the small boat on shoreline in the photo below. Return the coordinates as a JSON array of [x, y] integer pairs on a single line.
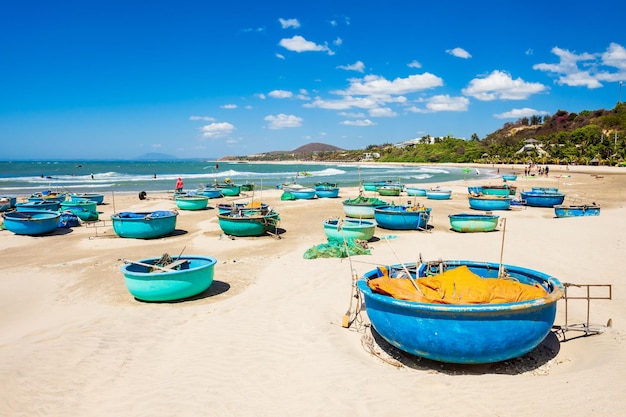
[[51, 205], [151, 280], [229, 189], [340, 229], [210, 192], [362, 207], [304, 193], [85, 209], [98, 198], [247, 223], [509, 177], [48, 196], [326, 190], [234, 207], [191, 202], [463, 333], [402, 217], [144, 225], [576, 211], [437, 194], [489, 202], [469, 223], [7, 202], [389, 190], [502, 190], [415, 191], [32, 223], [542, 198]]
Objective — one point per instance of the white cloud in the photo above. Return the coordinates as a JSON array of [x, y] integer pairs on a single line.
[[299, 44], [281, 121], [357, 66], [459, 53], [441, 103], [500, 85], [352, 115], [280, 94], [519, 113], [414, 64], [280, 56], [376, 85], [157, 145], [261, 96], [382, 112], [289, 23], [338, 41], [229, 106], [364, 122], [597, 67], [216, 130], [203, 118]]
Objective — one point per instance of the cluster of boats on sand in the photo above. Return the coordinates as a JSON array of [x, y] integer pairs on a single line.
[[447, 330]]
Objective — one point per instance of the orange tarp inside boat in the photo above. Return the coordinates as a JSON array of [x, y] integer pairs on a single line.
[[456, 286]]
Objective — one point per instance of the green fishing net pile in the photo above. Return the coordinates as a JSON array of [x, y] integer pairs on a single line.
[[337, 249]]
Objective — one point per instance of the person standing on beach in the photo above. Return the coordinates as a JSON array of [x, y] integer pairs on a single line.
[[179, 185]]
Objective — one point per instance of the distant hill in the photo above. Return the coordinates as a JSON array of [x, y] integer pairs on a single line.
[[155, 156], [316, 147]]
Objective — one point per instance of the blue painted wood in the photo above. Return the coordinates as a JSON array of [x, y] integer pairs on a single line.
[[471, 333]]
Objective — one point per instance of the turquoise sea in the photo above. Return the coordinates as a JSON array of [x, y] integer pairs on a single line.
[[24, 177]]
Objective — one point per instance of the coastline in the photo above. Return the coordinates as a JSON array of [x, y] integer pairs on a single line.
[[266, 339]]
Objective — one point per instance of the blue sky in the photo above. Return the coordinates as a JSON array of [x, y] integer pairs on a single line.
[[121, 78]]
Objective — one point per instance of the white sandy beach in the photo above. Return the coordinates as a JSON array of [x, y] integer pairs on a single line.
[[266, 338]]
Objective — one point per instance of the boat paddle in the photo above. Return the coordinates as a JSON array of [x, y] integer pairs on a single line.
[[345, 322], [406, 270]]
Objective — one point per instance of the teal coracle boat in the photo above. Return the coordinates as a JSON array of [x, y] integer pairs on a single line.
[[38, 205], [415, 191], [501, 190], [85, 209], [402, 217], [469, 223], [247, 223], [33, 223], [98, 198], [144, 225], [304, 193], [48, 196], [436, 194], [211, 192], [489, 202], [542, 198], [464, 333], [190, 276], [326, 190], [191, 202], [362, 207], [229, 189], [576, 211], [389, 190], [340, 229], [509, 177]]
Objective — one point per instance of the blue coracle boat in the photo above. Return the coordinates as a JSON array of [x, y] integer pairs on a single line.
[[509, 177], [402, 217], [468, 222], [32, 223], [144, 225], [7, 202], [191, 276], [211, 192], [98, 198], [340, 229], [438, 194], [576, 211], [415, 191], [85, 209], [542, 198], [246, 223], [326, 190], [38, 205], [362, 207], [489, 202], [191, 202], [465, 333]]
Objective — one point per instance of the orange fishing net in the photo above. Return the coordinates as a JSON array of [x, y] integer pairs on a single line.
[[456, 286]]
